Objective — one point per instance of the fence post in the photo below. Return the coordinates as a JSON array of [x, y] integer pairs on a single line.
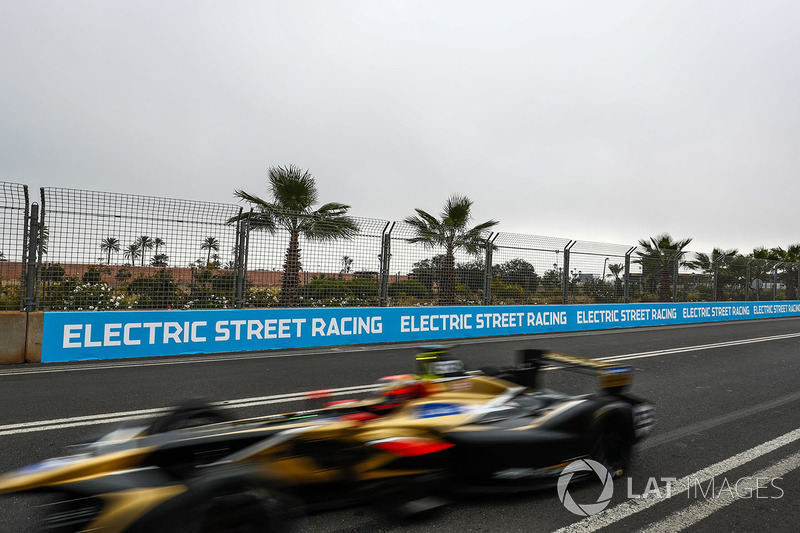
[[33, 246], [24, 258], [747, 282], [242, 232], [487, 276], [565, 277], [627, 275], [797, 277], [386, 254], [41, 242], [676, 265], [715, 283], [775, 282]]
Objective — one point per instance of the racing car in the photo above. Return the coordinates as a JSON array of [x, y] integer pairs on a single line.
[[413, 444]]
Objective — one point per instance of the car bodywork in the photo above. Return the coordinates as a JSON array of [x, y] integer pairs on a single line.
[[420, 437]]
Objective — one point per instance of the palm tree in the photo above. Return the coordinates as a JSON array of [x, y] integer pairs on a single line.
[[159, 260], [451, 233], [157, 242], [293, 195], [347, 264], [724, 260], [658, 256], [145, 243], [44, 239], [792, 257], [132, 252], [210, 243], [787, 260], [616, 269], [108, 245]]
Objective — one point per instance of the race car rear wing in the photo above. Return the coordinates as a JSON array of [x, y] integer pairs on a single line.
[[612, 378]]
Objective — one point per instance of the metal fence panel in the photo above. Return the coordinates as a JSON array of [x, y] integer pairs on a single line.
[[528, 269], [597, 272], [114, 251], [331, 272], [419, 273], [13, 240], [100, 250]]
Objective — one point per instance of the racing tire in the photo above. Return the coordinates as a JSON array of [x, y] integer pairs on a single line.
[[612, 443], [190, 414], [243, 510], [225, 501]]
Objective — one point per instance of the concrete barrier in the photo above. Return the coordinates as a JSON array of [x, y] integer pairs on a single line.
[[13, 331], [33, 343], [73, 336], [76, 336]]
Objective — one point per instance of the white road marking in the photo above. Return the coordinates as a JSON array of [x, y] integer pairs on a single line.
[[61, 423], [699, 347], [630, 507], [124, 416], [689, 516]]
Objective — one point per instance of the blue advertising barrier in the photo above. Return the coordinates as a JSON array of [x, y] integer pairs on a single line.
[[73, 336]]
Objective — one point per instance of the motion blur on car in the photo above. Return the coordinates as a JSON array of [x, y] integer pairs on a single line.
[[415, 444]]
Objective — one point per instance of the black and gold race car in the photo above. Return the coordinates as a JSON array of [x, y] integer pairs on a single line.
[[417, 441]]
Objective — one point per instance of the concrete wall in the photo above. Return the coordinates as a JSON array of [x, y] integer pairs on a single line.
[[13, 332], [33, 345], [20, 337]]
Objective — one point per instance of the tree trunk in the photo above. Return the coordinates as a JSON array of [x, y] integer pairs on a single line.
[[791, 283], [665, 286], [290, 281], [447, 287]]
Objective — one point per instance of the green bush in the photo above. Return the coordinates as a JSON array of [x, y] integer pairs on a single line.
[[92, 276], [505, 293], [158, 291], [364, 290], [263, 296], [326, 292], [10, 296], [409, 288], [73, 295]]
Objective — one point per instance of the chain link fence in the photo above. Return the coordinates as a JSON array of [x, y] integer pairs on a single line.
[[13, 245], [104, 251]]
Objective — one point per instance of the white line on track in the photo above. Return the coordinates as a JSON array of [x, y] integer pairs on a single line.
[[623, 510], [105, 418], [699, 347], [124, 416], [689, 516], [44, 425]]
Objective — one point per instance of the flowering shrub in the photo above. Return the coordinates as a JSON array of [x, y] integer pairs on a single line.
[[92, 297], [209, 301], [263, 297]]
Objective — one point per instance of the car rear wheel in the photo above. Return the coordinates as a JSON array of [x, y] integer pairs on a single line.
[[225, 500], [190, 414], [612, 444], [252, 510]]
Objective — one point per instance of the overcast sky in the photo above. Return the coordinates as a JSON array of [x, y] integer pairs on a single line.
[[590, 120]]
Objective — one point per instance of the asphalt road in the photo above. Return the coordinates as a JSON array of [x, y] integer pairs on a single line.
[[727, 414]]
